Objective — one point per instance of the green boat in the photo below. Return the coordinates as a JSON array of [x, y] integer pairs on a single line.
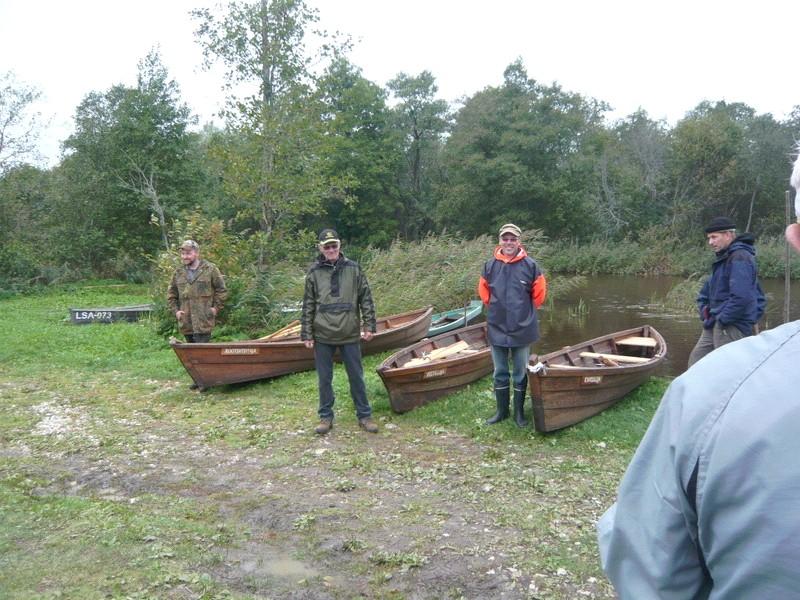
[[453, 319]]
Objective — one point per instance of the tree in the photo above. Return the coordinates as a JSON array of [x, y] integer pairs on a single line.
[[19, 127], [423, 120], [364, 154], [129, 167], [272, 170], [24, 210], [630, 172], [726, 160], [518, 153]]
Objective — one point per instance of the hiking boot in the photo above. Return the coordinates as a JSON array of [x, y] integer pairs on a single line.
[[367, 424], [324, 426]]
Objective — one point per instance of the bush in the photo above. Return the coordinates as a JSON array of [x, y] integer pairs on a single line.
[[256, 295]]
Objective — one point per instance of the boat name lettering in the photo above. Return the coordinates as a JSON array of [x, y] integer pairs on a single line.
[[593, 380], [86, 315], [434, 373], [239, 351]]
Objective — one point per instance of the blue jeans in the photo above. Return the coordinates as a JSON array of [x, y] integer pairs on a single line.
[[351, 357], [519, 360]]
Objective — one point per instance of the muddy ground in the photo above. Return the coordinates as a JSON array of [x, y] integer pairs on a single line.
[[407, 513]]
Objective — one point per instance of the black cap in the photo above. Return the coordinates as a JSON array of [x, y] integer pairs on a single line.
[[328, 236], [720, 224]]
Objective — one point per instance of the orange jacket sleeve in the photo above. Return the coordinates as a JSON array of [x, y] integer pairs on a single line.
[[483, 290], [539, 291]]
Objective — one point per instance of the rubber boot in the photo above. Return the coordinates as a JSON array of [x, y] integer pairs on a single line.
[[502, 397], [519, 407]]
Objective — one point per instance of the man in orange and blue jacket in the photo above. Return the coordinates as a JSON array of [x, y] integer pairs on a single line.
[[512, 287]]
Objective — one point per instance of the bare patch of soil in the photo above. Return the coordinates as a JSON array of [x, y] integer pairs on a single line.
[[399, 514]]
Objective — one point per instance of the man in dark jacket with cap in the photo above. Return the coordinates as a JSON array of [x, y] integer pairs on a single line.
[[338, 313], [731, 301], [512, 287]]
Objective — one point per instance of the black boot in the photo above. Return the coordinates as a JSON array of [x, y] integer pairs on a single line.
[[519, 407], [502, 397]]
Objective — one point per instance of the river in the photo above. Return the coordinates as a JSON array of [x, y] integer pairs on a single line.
[[619, 302]]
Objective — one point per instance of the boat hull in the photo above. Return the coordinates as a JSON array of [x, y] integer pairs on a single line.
[[571, 389], [454, 319], [410, 387], [130, 314], [222, 363]]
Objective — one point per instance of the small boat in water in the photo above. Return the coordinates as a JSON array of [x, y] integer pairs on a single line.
[[283, 352], [580, 381], [453, 319], [132, 313], [435, 367]]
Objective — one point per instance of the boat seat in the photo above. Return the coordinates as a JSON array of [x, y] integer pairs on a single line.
[[636, 340], [615, 357]]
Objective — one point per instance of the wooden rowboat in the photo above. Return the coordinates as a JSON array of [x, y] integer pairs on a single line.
[[436, 367], [580, 381], [83, 316], [283, 352], [453, 319]]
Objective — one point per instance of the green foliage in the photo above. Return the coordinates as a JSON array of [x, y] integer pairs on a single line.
[[422, 120], [19, 126], [128, 174], [650, 256], [257, 296], [271, 158], [364, 157], [443, 271], [440, 270], [515, 155]]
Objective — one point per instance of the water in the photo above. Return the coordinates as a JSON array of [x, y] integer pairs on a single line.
[[617, 302]]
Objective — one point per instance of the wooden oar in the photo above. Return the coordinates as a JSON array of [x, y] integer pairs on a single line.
[[615, 357], [290, 329]]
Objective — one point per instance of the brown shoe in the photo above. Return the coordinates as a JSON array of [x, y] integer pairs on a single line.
[[367, 424], [324, 426]]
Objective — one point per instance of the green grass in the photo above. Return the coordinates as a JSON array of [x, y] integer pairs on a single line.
[[116, 481]]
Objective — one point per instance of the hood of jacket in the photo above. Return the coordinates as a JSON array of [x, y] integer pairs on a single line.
[[744, 242], [498, 254]]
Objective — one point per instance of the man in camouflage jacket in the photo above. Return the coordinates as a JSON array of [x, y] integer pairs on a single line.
[[337, 302], [196, 294]]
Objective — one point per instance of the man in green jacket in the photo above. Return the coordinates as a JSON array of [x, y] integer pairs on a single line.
[[196, 294], [337, 303]]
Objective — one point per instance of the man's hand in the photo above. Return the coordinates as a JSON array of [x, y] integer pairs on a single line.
[[308, 343], [179, 314], [214, 311], [367, 335]]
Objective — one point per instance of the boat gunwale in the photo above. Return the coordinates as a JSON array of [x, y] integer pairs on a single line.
[[295, 341], [384, 367], [553, 370]]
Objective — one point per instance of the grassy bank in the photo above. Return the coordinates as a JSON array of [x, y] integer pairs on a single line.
[[656, 255], [116, 481]]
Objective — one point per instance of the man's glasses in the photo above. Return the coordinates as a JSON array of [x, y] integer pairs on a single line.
[[509, 239], [330, 246]]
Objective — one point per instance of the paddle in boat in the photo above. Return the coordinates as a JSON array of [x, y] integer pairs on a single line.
[[580, 381], [283, 352], [435, 367]]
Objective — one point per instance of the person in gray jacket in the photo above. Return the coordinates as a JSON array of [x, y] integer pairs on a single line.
[[708, 508], [338, 312]]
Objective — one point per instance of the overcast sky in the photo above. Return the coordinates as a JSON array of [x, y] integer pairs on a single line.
[[664, 57]]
